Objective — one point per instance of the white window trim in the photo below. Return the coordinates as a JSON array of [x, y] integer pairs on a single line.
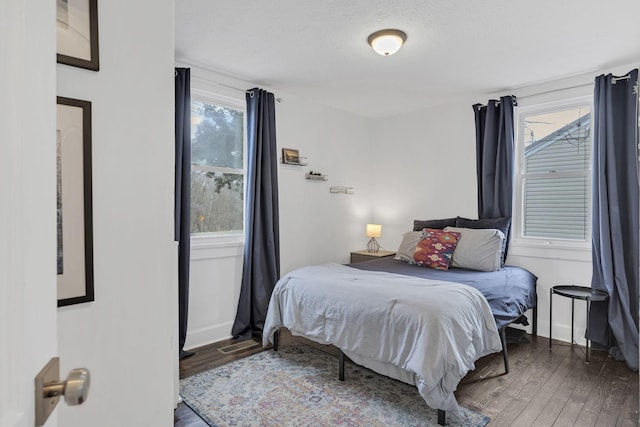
[[544, 247], [209, 240], [222, 239]]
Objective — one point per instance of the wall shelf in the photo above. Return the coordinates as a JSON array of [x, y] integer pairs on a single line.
[[300, 162], [316, 176], [341, 190]]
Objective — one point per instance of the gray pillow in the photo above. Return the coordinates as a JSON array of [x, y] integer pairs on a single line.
[[478, 249], [501, 224], [407, 247], [440, 224]]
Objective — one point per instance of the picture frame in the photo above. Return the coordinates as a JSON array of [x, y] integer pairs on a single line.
[[290, 156], [77, 33], [75, 279]]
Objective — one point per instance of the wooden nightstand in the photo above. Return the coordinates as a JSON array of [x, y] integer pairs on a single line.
[[359, 256]]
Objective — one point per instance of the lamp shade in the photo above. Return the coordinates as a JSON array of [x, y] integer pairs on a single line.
[[387, 42], [374, 230]]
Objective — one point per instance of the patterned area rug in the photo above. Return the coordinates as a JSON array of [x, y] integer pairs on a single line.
[[299, 386]]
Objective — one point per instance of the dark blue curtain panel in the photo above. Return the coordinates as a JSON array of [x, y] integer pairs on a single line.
[[615, 223], [182, 204], [261, 268]]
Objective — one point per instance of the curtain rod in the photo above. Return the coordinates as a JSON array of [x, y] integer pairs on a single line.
[[204, 79], [555, 90], [559, 89], [514, 99], [234, 88], [243, 90], [613, 81]]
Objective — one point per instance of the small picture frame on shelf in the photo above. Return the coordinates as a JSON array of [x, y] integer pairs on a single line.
[[290, 156]]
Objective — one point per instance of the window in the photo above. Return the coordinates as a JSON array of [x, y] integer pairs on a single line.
[[553, 175], [217, 167]]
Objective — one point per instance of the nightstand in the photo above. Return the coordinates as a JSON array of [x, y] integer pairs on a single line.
[[359, 256]]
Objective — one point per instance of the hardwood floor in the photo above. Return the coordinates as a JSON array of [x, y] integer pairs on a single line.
[[185, 417], [543, 388]]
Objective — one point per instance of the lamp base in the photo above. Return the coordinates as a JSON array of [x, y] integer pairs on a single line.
[[373, 245]]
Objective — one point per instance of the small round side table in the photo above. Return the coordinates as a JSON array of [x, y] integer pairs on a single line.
[[575, 292]]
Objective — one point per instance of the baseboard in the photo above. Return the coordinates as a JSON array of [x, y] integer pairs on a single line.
[[562, 332], [208, 335]]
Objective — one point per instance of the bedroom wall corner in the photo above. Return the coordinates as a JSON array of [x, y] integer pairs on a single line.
[[425, 168], [552, 272]]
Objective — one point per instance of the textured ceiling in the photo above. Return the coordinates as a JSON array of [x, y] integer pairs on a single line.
[[318, 49]]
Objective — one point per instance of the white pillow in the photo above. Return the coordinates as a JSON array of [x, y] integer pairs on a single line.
[[407, 247], [478, 249]]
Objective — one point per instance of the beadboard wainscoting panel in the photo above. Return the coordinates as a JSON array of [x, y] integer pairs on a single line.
[[214, 288]]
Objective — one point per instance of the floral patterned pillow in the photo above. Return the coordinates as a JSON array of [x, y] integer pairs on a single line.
[[436, 248]]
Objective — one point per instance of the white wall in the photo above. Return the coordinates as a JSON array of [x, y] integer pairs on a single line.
[[315, 226], [426, 168], [127, 336]]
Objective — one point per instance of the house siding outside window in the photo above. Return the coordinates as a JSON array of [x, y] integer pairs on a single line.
[[554, 173]]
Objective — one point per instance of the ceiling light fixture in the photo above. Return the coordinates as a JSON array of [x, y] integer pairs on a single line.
[[387, 42]]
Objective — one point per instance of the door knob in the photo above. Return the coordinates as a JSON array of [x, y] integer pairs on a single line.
[[49, 388], [74, 389]]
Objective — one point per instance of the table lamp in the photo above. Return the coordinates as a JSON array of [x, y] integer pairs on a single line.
[[373, 231]]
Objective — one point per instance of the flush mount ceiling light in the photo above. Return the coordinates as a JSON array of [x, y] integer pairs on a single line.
[[387, 42]]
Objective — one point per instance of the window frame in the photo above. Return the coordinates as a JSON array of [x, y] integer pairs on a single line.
[[223, 237], [541, 245]]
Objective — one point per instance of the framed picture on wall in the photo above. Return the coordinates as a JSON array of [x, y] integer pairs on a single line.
[[77, 33], [74, 202]]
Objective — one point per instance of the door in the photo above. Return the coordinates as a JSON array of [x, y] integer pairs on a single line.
[[28, 329]]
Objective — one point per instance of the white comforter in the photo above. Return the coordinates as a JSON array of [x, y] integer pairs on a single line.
[[424, 332]]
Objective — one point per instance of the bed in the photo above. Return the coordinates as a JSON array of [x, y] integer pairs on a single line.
[[510, 291], [419, 325]]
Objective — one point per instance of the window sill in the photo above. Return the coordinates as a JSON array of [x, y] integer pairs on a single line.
[[550, 250], [205, 241], [212, 246]]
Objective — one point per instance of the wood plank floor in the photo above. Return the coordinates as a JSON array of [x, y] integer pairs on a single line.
[[543, 388]]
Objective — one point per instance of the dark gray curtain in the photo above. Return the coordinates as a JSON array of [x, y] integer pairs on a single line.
[[262, 242], [615, 224], [494, 157], [182, 214]]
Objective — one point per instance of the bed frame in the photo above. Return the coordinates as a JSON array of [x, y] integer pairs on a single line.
[[441, 413]]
